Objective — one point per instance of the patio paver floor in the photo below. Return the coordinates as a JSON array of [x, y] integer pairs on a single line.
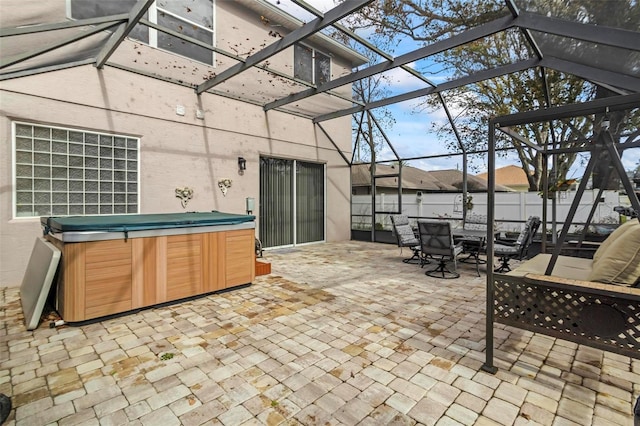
[[339, 333]]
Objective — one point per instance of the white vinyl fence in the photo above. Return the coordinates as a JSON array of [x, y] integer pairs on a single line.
[[512, 208]]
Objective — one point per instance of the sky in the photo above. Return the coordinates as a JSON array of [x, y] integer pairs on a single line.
[[412, 134]]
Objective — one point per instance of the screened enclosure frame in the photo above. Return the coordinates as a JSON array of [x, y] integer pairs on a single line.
[[525, 21]]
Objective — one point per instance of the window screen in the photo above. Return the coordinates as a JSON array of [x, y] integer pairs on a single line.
[[193, 18], [63, 171], [322, 68], [85, 9], [303, 63], [311, 65]]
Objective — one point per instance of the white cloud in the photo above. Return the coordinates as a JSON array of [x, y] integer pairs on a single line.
[[631, 158], [402, 81]]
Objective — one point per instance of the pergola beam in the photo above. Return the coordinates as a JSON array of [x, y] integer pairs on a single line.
[[612, 103], [363, 42], [614, 37], [34, 71], [510, 132], [290, 39], [526, 21], [595, 75], [68, 40], [344, 157], [222, 52], [33, 29], [473, 34], [470, 79], [137, 11], [515, 11]]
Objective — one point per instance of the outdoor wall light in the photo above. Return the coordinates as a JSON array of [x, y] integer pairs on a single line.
[[242, 165]]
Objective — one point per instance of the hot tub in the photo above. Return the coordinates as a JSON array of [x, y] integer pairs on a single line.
[[115, 264]]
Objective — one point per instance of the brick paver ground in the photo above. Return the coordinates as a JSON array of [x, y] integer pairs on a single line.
[[339, 333]]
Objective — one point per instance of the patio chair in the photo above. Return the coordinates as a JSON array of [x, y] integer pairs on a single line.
[[505, 251], [436, 241], [473, 245], [406, 237]]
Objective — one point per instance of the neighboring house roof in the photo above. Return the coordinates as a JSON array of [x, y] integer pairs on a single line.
[[511, 176], [417, 179], [279, 17], [412, 178], [454, 177]]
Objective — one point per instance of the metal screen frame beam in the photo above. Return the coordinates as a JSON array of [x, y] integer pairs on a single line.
[[515, 11], [363, 42], [34, 71], [468, 36], [290, 39], [139, 9], [68, 40], [613, 103], [511, 133], [344, 157], [453, 84], [33, 29], [593, 74], [488, 366], [615, 37], [233, 56]]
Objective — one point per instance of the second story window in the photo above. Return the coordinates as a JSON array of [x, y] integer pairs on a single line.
[[193, 18], [311, 65]]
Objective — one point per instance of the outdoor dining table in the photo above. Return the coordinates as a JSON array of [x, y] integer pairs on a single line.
[[473, 241]]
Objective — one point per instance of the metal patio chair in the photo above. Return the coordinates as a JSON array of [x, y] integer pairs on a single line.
[[406, 237], [505, 251], [436, 241]]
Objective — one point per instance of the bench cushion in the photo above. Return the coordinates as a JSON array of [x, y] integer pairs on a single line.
[[576, 268], [619, 263], [614, 236]]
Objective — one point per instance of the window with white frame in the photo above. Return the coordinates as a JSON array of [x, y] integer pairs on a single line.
[[193, 18], [311, 65], [61, 171]]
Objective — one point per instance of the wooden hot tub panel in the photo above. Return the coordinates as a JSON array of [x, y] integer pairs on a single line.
[[108, 277]]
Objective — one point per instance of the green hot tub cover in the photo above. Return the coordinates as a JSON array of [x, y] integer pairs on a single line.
[[139, 222]]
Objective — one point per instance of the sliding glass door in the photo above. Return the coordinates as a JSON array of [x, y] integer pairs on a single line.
[[309, 202], [276, 202], [292, 202]]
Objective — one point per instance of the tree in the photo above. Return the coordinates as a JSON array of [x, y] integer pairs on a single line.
[[368, 128], [368, 90], [426, 21]]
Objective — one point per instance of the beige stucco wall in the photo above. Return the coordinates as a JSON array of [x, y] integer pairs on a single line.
[[175, 150]]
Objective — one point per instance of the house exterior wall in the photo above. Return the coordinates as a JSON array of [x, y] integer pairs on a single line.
[[175, 150]]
